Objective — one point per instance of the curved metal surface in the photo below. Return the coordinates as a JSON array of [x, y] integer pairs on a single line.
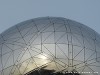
[[58, 43]]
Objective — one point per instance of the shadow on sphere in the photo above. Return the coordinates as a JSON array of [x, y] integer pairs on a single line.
[[43, 71]]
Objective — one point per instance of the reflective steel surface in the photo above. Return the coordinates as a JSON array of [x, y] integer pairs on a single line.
[[55, 43]]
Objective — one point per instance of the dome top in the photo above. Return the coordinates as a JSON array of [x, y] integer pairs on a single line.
[[50, 43]]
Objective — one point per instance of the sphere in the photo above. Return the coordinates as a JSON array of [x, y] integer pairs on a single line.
[[49, 43]]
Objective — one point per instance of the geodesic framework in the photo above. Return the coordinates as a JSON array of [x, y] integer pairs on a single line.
[[55, 43]]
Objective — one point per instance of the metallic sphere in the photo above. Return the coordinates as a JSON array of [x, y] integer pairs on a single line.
[[50, 43]]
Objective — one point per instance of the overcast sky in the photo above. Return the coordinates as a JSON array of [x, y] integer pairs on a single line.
[[83, 11]]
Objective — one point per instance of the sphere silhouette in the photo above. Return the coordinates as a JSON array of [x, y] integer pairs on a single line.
[[50, 43]]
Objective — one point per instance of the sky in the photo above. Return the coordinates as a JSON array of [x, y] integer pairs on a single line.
[[86, 12]]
